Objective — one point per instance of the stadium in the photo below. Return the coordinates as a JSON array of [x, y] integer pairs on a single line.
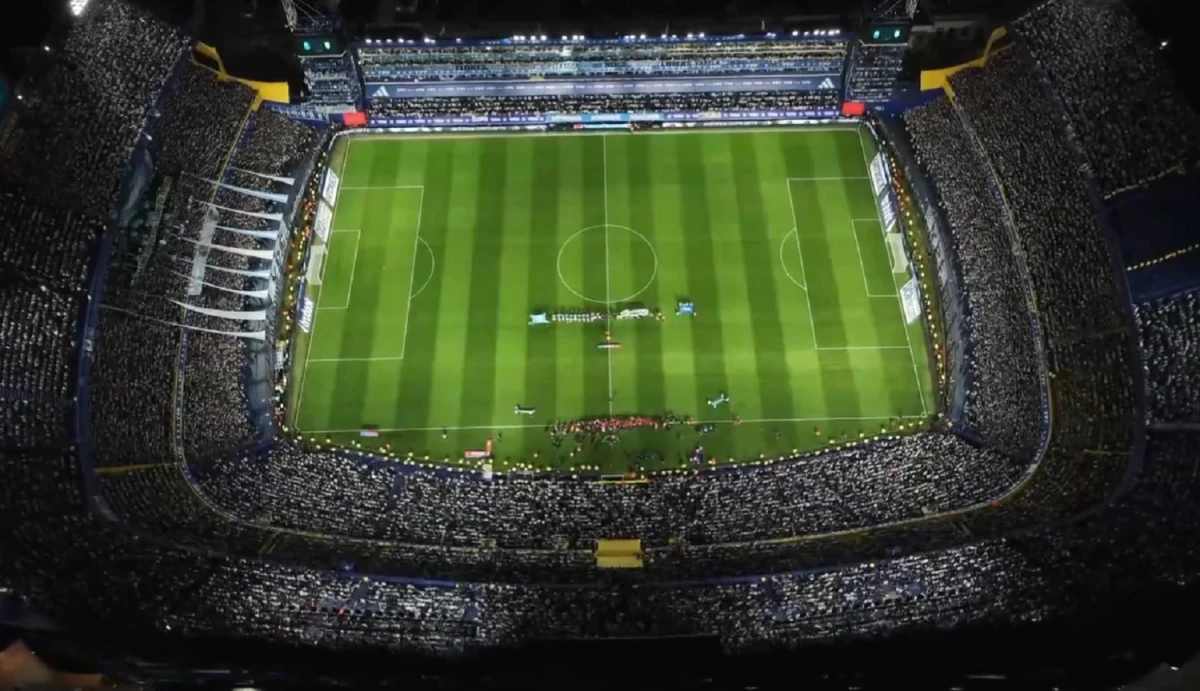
[[797, 341]]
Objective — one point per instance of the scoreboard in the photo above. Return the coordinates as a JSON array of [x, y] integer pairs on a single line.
[[319, 45], [885, 33]]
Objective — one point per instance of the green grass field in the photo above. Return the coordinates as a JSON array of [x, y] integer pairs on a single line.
[[442, 247]]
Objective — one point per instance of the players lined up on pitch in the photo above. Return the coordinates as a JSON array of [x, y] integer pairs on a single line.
[[586, 316]]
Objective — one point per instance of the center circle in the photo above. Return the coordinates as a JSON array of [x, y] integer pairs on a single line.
[[603, 229]]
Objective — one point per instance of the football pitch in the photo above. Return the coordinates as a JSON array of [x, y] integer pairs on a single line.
[[443, 247]]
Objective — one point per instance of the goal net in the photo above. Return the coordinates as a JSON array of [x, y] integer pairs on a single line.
[[895, 242], [316, 262]]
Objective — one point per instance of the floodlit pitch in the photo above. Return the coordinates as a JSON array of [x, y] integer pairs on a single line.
[[442, 248]]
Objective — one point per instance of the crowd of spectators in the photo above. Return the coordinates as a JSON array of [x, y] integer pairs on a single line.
[[332, 80], [79, 122], [345, 494], [1045, 192], [200, 121], [1132, 122], [604, 103], [423, 62], [1081, 310], [138, 352], [1149, 533], [1170, 337], [258, 554], [873, 69], [44, 261], [1004, 403]]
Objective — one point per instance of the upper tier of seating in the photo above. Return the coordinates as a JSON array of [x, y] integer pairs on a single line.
[[78, 124], [1131, 121], [382, 63]]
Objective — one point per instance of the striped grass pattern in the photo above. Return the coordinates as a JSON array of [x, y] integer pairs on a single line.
[[442, 247]]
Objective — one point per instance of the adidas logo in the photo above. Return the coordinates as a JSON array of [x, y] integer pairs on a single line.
[[382, 92], [827, 83]]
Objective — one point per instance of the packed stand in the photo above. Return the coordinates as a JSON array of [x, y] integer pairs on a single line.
[[602, 103], [1055, 220], [1148, 537], [425, 62], [78, 126], [138, 353], [1004, 403], [873, 71], [343, 494], [161, 500], [200, 114], [44, 260], [1081, 307], [216, 412], [1133, 123], [138, 350], [1170, 337], [331, 80]]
